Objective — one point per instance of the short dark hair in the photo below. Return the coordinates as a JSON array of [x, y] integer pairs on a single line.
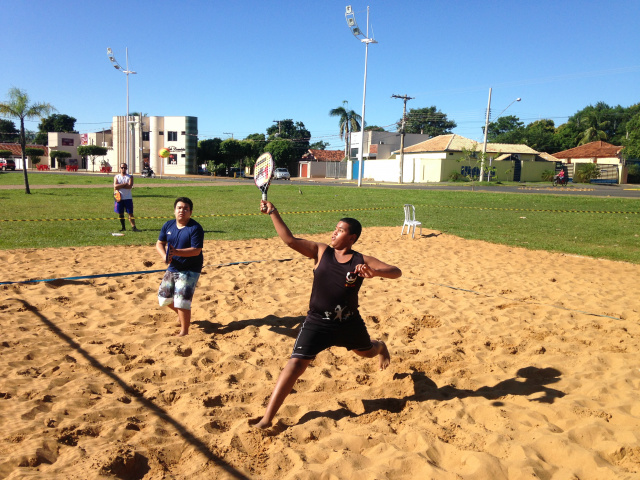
[[355, 228], [183, 200]]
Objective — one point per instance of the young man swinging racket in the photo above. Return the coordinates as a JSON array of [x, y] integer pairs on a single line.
[[333, 318]]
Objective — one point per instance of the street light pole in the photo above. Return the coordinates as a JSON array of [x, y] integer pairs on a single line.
[[127, 72], [351, 22]]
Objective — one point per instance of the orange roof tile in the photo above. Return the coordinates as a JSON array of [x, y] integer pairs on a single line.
[[324, 155], [597, 149], [16, 151]]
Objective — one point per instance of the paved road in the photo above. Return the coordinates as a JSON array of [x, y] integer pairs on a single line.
[[618, 191]]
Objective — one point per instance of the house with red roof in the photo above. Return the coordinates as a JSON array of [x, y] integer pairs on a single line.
[[607, 156], [321, 164], [16, 152]]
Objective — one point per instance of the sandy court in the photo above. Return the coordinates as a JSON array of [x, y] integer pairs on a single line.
[[506, 364]]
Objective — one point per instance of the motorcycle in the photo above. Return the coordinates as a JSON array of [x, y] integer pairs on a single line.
[[147, 172], [562, 181]]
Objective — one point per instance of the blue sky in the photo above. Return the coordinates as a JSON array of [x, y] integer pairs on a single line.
[[240, 65]]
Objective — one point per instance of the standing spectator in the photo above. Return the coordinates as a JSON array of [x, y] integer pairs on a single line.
[[122, 185]]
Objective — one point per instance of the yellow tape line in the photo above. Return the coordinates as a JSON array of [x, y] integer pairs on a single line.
[[325, 211]]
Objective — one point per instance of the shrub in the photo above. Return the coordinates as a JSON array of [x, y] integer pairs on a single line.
[[457, 177], [586, 172], [547, 175]]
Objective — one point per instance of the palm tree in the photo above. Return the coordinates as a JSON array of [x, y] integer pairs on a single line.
[[595, 128], [18, 107], [348, 120]]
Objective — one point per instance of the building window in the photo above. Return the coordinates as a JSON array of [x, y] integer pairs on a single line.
[[172, 160], [172, 136], [354, 152], [67, 142], [145, 136]]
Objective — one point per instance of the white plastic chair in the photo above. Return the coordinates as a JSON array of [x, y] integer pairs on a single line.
[[410, 221]]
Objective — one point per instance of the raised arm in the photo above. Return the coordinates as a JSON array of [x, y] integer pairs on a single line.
[[305, 247]]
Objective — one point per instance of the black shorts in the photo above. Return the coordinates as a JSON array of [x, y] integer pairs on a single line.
[[316, 336]]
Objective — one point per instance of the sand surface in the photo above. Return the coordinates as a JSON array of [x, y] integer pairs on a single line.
[[506, 364]]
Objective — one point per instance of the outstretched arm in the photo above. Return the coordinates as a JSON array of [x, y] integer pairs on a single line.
[[372, 267], [305, 247]]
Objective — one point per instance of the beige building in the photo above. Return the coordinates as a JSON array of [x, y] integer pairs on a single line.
[[438, 158], [148, 135]]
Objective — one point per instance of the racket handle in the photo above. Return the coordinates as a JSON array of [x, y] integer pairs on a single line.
[[264, 197]]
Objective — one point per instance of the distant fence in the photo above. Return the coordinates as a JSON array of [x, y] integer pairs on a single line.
[[336, 170]]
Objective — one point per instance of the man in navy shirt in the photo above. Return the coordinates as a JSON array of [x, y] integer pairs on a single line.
[[180, 246]]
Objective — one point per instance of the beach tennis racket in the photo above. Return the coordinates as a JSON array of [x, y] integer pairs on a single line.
[[166, 257], [263, 173]]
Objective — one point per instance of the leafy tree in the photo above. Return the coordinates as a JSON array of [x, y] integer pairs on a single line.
[[296, 132], [508, 129], [209, 150], [565, 136], [34, 154], [54, 123], [374, 128], [348, 121], [257, 142], [233, 152], [319, 145], [5, 153], [92, 151], [8, 132], [18, 107], [61, 156], [632, 142], [282, 151], [429, 121], [540, 135]]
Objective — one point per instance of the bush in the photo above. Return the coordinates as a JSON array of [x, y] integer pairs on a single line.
[[457, 177], [633, 173], [586, 172], [547, 175]]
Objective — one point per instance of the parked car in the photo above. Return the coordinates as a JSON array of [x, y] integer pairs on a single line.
[[7, 164], [235, 172], [281, 173]]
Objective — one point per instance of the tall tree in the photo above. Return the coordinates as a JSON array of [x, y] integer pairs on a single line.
[[507, 129], [18, 107], [348, 121], [429, 121], [8, 132], [54, 123], [540, 135], [295, 132]]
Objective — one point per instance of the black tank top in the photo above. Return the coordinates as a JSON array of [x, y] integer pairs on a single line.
[[334, 295]]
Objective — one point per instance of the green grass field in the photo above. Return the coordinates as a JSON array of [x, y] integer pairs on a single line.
[[60, 217]]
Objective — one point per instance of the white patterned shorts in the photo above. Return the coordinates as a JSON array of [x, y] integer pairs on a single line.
[[177, 288]]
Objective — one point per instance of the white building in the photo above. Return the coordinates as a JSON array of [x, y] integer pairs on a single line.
[[148, 135]]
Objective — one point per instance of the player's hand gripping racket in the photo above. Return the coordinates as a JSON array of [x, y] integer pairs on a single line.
[[263, 173]]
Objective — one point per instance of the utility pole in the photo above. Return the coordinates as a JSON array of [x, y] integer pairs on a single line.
[[404, 116], [228, 133], [279, 127]]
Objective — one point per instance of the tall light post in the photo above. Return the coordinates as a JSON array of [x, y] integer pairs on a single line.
[[127, 72], [486, 129], [351, 22]]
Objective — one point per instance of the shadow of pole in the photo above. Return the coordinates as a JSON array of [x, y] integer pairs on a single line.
[[155, 409]]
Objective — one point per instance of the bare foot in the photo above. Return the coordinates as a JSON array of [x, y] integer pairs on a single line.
[[259, 423], [383, 356], [180, 334]]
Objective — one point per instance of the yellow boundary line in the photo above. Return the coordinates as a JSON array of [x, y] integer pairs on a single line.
[[325, 211]]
